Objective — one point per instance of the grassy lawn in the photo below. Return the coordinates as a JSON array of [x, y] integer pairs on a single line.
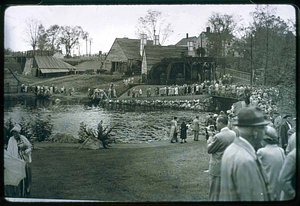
[[166, 172]]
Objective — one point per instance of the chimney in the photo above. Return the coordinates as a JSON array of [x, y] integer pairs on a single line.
[[156, 40], [208, 29], [143, 43], [187, 35]]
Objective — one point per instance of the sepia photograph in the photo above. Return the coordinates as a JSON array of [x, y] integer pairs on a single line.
[[150, 103]]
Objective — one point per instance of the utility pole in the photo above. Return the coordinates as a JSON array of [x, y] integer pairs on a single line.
[[90, 46]]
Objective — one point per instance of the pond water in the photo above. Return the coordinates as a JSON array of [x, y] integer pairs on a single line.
[[133, 124]]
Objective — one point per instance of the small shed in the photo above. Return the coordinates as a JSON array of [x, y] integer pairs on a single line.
[[48, 66], [11, 82]]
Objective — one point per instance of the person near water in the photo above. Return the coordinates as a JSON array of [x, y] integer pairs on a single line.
[[173, 132], [20, 148], [183, 129], [216, 146]]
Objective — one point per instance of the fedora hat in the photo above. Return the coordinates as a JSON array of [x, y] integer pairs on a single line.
[[250, 117]]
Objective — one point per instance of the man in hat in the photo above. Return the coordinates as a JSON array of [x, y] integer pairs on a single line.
[[271, 158], [284, 127], [242, 178], [216, 146]]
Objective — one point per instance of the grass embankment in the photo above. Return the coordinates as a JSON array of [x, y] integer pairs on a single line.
[[143, 172], [81, 83]]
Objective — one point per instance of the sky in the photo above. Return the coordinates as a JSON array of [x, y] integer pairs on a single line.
[[105, 23]]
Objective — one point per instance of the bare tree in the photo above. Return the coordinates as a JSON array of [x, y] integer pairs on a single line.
[[32, 32], [154, 23], [70, 37]]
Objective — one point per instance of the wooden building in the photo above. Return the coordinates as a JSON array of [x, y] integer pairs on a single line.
[[124, 56], [11, 82], [48, 66], [154, 70]]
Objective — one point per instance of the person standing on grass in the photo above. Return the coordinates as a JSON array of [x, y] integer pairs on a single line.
[[20, 148], [271, 158], [196, 128], [216, 146], [173, 133], [242, 177], [183, 129]]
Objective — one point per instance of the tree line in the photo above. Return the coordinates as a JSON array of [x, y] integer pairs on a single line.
[[54, 37]]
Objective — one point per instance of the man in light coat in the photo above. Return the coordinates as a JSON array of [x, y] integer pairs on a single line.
[[242, 177], [216, 146], [196, 128], [271, 158]]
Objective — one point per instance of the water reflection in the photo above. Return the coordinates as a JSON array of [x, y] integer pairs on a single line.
[[134, 123]]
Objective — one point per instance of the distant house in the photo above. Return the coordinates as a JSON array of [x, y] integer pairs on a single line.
[[153, 67], [125, 55], [48, 66], [11, 82], [201, 46]]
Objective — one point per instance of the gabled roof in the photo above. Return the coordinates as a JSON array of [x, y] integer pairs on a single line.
[[131, 47], [48, 62], [184, 41], [155, 54]]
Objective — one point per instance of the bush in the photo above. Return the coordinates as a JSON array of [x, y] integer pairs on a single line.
[[42, 129], [84, 132]]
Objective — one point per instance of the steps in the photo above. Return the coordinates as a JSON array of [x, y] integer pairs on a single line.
[[28, 66]]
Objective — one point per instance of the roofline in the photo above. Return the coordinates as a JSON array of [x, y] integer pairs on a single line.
[[123, 50]]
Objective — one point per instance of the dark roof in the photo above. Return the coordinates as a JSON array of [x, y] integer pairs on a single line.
[[155, 54], [48, 62], [184, 41], [131, 47]]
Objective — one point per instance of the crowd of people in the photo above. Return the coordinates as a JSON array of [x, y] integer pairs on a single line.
[[101, 94], [46, 91], [251, 159], [128, 81], [252, 156]]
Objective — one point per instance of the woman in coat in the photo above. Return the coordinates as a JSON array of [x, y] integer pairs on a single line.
[[20, 148], [183, 129]]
